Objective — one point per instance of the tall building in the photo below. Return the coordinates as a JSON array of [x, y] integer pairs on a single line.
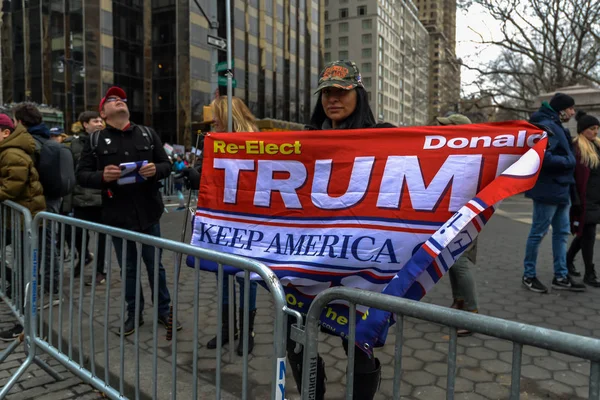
[[158, 52], [389, 45], [439, 17]]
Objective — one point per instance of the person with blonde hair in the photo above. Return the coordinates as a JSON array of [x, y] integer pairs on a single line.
[[243, 121], [585, 211]]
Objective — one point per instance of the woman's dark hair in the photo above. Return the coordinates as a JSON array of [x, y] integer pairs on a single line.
[[362, 117], [28, 114]]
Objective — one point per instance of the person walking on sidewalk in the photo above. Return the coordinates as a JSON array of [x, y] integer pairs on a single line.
[[243, 121], [585, 211], [551, 196], [134, 206], [464, 293], [87, 202], [19, 182]]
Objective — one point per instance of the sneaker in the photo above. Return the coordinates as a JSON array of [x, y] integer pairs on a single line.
[[591, 279], [56, 300], [100, 280], [11, 334], [567, 283], [534, 285], [129, 326], [164, 319]]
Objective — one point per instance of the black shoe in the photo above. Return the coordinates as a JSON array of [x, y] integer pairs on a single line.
[[11, 334], [567, 283], [129, 326], [212, 343], [240, 348], [164, 319], [534, 285], [591, 279], [572, 270]]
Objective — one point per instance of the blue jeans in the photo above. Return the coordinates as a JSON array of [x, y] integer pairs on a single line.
[[252, 294], [164, 299], [545, 215]]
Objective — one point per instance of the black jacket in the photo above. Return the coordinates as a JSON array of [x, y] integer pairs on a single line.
[[136, 206], [82, 197]]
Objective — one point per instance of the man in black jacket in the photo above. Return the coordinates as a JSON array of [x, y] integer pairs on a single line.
[[136, 206]]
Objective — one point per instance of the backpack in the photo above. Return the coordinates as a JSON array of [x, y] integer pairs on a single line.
[[95, 136], [54, 162]]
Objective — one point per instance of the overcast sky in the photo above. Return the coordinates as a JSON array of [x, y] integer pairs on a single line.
[[476, 19]]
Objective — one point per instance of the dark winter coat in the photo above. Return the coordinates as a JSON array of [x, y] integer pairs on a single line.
[[137, 206], [556, 176], [83, 197], [19, 180], [586, 207]]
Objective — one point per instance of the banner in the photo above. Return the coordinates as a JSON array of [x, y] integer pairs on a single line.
[[386, 210]]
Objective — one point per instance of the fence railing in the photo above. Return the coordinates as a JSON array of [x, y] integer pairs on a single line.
[[520, 334], [78, 336]]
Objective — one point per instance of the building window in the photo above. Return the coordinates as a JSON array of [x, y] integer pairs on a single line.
[[361, 10], [326, 15], [367, 24], [343, 55], [343, 41], [380, 83], [365, 67], [366, 82], [367, 38], [343, 13], [343, 27], [327, 57], [327, 28], [380, 41], [380, 55], [327, 43], [366, 53]]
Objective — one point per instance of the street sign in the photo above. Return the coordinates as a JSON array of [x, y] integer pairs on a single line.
[[217, 42], [222, 66], [223, 81]]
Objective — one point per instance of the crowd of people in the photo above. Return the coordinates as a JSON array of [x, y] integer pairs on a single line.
[[566, 197]]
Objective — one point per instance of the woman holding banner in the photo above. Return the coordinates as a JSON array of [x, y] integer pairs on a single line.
[[343, 104], [243, 121], [585, 211]]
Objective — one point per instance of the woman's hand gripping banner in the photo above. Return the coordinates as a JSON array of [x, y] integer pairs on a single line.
[[386, 210]]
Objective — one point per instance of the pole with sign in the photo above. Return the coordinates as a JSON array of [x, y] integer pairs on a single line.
[[229, 68]]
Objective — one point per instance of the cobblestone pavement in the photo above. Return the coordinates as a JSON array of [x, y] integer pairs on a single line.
[[484, 363]]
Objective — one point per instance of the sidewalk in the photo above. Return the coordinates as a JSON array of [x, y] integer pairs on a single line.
[[483, 362]]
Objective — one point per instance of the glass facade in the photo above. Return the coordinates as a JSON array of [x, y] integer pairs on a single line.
[[157, 52]]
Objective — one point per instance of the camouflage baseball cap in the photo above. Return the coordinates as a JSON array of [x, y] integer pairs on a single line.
[[454, 119], [341, 74]]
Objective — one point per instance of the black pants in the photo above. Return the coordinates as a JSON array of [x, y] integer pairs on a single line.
[[585, 243], [90, 214], [362, 362]]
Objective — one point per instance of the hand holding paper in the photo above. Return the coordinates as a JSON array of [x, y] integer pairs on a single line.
[[148, 170], [131, 172]]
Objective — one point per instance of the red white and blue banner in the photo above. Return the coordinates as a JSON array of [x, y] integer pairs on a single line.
[[386, 210]]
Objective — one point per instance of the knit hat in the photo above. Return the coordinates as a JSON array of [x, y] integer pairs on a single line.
[[585, 121], [340, 74], [454, 119], [561, 101], [5, 120]]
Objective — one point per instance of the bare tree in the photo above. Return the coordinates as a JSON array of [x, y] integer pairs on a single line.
[[545, 44]]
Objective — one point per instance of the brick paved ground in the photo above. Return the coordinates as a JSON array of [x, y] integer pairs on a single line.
[[484, 362]]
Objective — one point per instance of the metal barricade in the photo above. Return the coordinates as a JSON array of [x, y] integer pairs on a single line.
[[15, 274], [519, 334], [78, 336]]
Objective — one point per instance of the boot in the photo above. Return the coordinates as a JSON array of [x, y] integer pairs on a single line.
[[366, 384], [240, 349], [296, 366], [458, 304], [212, 344], [572, 270], [590, 278]]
